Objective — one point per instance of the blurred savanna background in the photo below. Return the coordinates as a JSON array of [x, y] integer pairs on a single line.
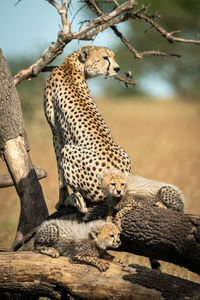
[[157, 121]]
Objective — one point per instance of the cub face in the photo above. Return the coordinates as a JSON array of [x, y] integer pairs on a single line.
[[98, 61], [106, 236], [113, 183]]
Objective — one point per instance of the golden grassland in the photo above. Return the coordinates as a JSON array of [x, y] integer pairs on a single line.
[[162, 138]]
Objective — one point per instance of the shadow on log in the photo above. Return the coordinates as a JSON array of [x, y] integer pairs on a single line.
[[57, 277]]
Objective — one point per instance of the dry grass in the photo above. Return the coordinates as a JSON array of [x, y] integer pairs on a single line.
[[162, 138]]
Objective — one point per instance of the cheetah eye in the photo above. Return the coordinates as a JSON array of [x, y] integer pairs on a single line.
[[112, 184], [122, 184], [105, 57], [112, 235]]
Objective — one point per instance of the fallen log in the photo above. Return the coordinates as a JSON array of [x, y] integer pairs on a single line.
[[57, 278], [154, 232]]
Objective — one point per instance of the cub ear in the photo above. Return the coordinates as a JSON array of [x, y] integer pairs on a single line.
[[100, 178], [94, 233], [84, 53]]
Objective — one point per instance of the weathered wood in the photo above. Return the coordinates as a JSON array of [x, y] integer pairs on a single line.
[[56, 277], [28, 188], [162, 234], [11, 121], [6, 179], [14, 146]]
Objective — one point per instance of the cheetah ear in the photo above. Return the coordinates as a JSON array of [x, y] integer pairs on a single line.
[[94, 233], [100, 178], [84, 53]]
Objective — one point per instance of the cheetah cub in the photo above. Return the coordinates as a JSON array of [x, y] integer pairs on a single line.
[[112, 183], [115, 184], [81, 242]]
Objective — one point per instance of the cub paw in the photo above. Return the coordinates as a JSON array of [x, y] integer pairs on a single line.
[[117, 260], [54, 253], [103, 266]]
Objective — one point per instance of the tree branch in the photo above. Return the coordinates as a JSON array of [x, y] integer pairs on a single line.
[[6, 180], [65, 36], [168, 35], [137, 54], [52, 51], [120, 14]]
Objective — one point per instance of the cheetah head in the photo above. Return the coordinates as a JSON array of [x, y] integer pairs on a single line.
[[98, 61], [113, 183], [106, 236]]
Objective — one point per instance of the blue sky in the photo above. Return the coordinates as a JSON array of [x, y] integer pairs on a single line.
[[31, 25], [28, 28]]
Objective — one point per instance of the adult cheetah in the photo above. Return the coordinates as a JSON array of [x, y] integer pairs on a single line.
[[83, 142]]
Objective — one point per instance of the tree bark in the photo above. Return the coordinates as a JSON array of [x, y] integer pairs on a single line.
[[154, 232], [14, 146], [38, 274], [11, 121], [162, 234]]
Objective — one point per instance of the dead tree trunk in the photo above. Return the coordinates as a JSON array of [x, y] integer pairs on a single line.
[[14, 147], [57, 278]]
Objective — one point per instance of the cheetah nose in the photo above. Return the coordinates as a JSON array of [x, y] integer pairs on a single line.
[[116, 69], [118, 191]]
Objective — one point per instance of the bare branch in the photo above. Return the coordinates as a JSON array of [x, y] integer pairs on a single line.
[[120, 14], [168, 35], [52, 51], [129, 46], [65, 37], [102, 21], [158, 53], [6, 180], [126, 80]]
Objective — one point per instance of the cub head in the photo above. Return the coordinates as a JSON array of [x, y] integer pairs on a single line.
[[98, 61], [106, 236], [113, 183]]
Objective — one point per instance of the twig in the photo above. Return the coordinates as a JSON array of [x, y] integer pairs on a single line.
[[121, 12], [168, 35], [126, 80], [48, 68]]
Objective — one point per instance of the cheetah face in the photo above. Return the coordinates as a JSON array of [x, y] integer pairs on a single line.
[[98, 61], [106, 236], [113, 183]]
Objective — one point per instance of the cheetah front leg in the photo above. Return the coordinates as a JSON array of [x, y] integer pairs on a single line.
[[45, 239], [48, 251], [76, 200], [111, 257], [63, 186], [101, 265]]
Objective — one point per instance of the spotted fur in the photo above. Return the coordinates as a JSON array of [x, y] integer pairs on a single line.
[[83, 142]]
